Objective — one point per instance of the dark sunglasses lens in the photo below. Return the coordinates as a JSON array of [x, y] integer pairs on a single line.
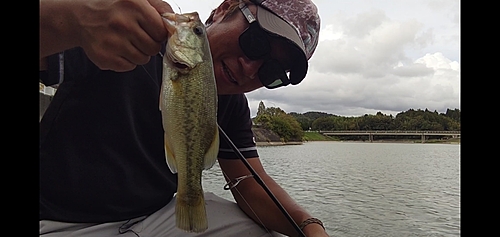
[[272, 75], [254, 43]]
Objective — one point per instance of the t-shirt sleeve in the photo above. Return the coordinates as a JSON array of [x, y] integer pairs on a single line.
[[234, 119], [52, 75]]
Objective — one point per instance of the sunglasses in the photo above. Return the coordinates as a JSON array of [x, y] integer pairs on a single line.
[[254, 43]]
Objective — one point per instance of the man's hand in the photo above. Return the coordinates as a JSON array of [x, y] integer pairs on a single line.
[[121, 34], [115, 34], [160, 6]]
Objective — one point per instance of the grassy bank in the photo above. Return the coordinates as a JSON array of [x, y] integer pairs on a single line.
[[315, 136], [450, 141]]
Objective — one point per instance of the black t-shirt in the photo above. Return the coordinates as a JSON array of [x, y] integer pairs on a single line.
[[102, 154]]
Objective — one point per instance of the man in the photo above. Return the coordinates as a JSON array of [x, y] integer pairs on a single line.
[[102, 163]]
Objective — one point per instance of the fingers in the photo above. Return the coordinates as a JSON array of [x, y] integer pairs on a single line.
[[121, 47], [124, 34], [148, 39], [160, 6], [150, 19], [113, 54], [149, 34]]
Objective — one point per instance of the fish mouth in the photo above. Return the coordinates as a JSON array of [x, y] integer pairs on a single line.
[[228, 74], [177, 62], [180, 66]]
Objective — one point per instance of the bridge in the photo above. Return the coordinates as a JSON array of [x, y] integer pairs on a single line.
[[371, 133]]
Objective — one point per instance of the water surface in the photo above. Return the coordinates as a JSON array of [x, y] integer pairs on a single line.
[[367, 189]]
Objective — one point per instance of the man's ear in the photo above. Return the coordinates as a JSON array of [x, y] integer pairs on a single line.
[[221, 11]]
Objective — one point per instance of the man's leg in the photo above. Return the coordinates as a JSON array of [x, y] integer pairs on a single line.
[[60, 229], [225, 218]]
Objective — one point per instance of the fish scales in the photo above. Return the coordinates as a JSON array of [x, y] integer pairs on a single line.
[[188, 103]]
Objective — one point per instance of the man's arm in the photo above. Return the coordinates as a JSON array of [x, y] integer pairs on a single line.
[[116, 35], [260, 203]]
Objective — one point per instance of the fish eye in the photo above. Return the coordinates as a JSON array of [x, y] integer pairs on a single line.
[[198, 30]]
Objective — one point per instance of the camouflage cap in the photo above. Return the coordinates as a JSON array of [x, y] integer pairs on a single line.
[[295, 20]]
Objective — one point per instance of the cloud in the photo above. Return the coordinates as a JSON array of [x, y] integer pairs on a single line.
[[438, 61], [431, 81], [386, 56], [369, 43], [364, 23], [412, 70]]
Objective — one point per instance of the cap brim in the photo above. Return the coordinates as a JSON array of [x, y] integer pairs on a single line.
[[274, 24], [299, 71]]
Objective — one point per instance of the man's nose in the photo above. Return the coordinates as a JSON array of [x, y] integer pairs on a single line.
[[250, 67]]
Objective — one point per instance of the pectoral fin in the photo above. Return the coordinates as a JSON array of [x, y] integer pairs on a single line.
[[213, 151]]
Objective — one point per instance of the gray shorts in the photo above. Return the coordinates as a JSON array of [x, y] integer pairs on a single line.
[[225, 218]]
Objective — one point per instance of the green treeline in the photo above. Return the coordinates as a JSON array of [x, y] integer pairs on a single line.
[[278, 121], [291, 126]]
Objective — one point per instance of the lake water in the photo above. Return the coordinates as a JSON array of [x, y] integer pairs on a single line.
[[367, 189]]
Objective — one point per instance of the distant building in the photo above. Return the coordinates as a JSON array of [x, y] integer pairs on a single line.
[[47, 90], [46, 94]]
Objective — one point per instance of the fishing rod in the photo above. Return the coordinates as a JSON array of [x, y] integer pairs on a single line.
[[260, 182]]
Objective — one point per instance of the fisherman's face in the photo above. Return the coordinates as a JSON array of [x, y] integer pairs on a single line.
[[234, 72]]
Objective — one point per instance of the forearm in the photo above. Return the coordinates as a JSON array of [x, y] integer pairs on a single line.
[[261, 207], [255, 202], [115, 35], [56, 27]]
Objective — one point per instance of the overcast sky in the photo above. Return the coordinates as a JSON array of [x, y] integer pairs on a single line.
[[372, 55]]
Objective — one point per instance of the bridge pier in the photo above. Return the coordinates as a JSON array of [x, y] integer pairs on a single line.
[[370, 136], [423, 138]]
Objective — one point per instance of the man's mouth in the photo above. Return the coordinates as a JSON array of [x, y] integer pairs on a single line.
[[228, 74]]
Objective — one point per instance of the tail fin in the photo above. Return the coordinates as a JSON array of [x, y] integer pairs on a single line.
[[191, 216]]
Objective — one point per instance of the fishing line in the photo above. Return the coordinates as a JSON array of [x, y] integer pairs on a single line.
[[255, 176], [180, 11], [156, 83], [248, 204], [260, 182], [229, 185]]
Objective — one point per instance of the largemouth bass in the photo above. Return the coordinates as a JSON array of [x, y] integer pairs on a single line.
[[188, 104]]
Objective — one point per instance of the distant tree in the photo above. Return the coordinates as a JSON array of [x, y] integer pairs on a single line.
[[274, 111], [453, 114], [262, 108], [305, 122], [379, 121], [286, 127], [425, 120], [313, 115], [324, 123], [408, 120], [277, 120]]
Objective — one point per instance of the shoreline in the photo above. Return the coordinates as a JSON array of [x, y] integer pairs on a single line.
[[278, 143], [359, 141], [397, 141]]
